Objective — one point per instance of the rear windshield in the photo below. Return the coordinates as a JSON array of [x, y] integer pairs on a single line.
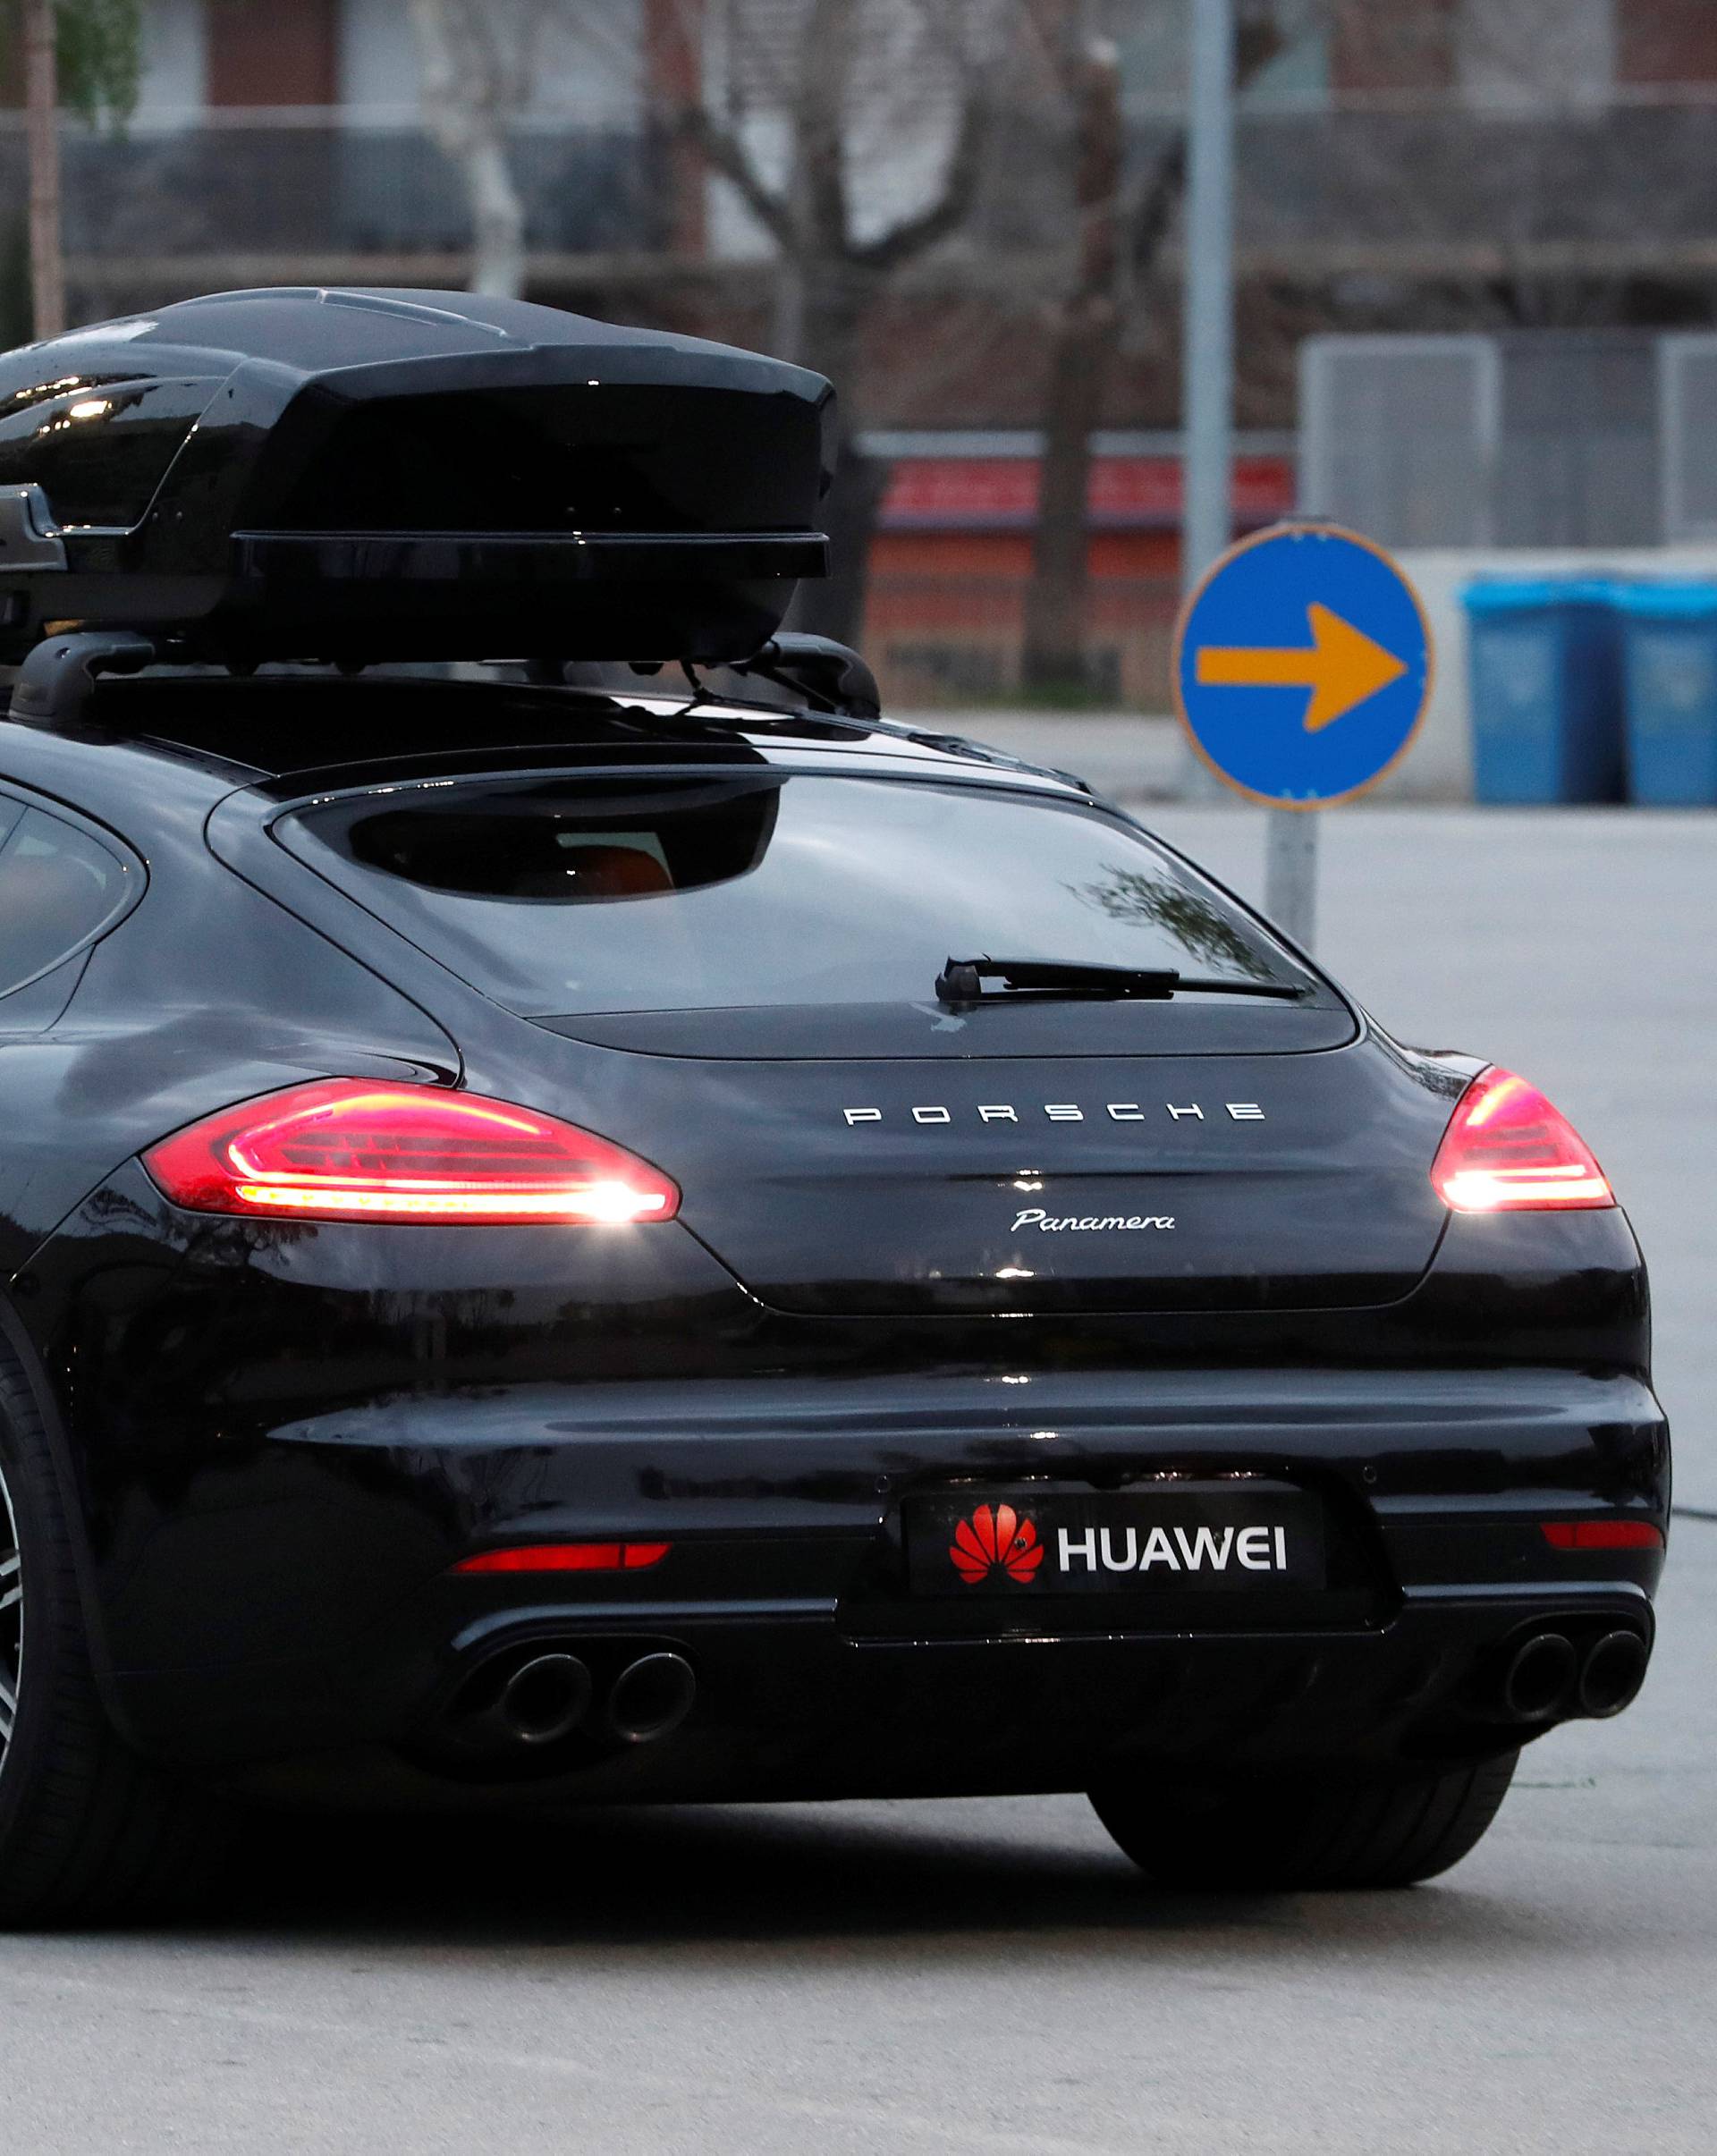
[[585, 894]]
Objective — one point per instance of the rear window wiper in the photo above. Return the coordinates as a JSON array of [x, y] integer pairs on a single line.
[[961, 981]]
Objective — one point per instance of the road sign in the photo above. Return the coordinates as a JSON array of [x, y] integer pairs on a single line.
[[1302, 665]]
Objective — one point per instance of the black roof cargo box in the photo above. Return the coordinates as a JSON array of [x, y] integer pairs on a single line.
[[357, 475]]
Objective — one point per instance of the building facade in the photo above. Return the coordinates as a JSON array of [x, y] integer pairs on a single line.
[[1450, 165]]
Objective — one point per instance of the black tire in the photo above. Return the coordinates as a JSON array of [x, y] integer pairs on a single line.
[[1279, 1833], [88, 1832]]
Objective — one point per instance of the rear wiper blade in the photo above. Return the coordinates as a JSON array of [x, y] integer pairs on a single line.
[[961, 981]]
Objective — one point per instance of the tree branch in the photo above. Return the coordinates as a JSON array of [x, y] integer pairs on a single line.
[[1158, 200], [727, 155], [820, 116], [915, 234]]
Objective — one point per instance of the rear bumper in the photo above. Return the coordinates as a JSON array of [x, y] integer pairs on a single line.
[[279, 1440], [788, 1707], [301, 1598]]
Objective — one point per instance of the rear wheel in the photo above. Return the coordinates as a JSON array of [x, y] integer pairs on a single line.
[[87, 1829], [1272, 1831]]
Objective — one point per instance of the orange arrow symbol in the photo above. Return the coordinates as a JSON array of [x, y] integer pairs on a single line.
[[1341, 666]]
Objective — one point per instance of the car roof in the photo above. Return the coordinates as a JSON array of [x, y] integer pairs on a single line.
[[293, 733]]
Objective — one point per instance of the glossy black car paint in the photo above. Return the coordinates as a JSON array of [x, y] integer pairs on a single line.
[[396, 473], [277, 1438]]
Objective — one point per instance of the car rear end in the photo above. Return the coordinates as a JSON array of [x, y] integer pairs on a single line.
[[995, 1391]]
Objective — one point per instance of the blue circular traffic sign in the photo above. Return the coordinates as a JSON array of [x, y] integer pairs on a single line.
[[1302, 665]]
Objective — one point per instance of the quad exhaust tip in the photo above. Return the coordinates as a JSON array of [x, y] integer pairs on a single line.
[[1547, 1677], [537, 1701], [1541, 1677], [545, 1699], [1612, 1674], [651, 1697]]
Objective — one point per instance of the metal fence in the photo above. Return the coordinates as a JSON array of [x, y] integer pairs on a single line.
[[1543, 438], [1398, 436], [1688, 390]]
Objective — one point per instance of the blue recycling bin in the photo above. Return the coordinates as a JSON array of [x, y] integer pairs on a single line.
[[1545, 658], [1671, 651]]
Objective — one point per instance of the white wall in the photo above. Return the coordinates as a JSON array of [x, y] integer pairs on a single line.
[[1540, 51], [1152, 38], [379, 62], [587, 63], [174, 84], [590, 65], [902, 111]]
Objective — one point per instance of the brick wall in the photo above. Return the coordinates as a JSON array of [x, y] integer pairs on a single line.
[[1382, 45], [1666, 41], [274, 52]]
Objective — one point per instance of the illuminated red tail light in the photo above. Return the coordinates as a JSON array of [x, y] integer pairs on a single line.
[[1507, 1150], [348, 1149]]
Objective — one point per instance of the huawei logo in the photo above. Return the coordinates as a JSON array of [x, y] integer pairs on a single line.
[[996, 1537]]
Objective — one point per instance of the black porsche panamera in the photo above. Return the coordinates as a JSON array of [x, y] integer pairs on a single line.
[[575, 1245]]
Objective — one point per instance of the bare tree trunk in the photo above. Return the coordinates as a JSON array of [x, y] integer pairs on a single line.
[[497, 218], [822, 299], [824, 305], [466, 106], [674, 70], [1055, 659], [42, 98], [829, 276], [834, 605]]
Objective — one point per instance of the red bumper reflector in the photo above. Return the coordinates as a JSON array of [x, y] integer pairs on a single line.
[[1603, 1535], [567, 1557]]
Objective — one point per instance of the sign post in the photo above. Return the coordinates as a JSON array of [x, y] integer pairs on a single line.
[[1302, 668], [1290, 875], [1208, 354], [1207, 341]]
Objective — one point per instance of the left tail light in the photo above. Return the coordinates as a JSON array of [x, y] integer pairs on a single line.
[[1507, 1150], [347, 1149]]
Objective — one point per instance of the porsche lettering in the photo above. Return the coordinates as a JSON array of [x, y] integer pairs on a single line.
[[938, 1113]]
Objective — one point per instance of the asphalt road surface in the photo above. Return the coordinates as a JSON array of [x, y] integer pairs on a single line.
[[992, 1977]]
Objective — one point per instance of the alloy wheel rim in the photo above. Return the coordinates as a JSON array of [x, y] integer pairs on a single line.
[[11, 1620]]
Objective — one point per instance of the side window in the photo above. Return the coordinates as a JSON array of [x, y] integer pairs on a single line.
[[59, 889]]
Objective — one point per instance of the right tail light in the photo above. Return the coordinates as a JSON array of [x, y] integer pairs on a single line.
[[1507, 1150]]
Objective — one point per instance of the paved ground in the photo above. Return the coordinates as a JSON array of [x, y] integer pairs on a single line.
[[915, 1980], [990, 1977]]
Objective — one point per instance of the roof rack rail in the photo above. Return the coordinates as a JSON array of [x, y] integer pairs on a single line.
[[57, 680], [832, 675]]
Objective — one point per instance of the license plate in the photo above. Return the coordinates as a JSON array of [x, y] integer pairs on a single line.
[[1206, 1539]]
